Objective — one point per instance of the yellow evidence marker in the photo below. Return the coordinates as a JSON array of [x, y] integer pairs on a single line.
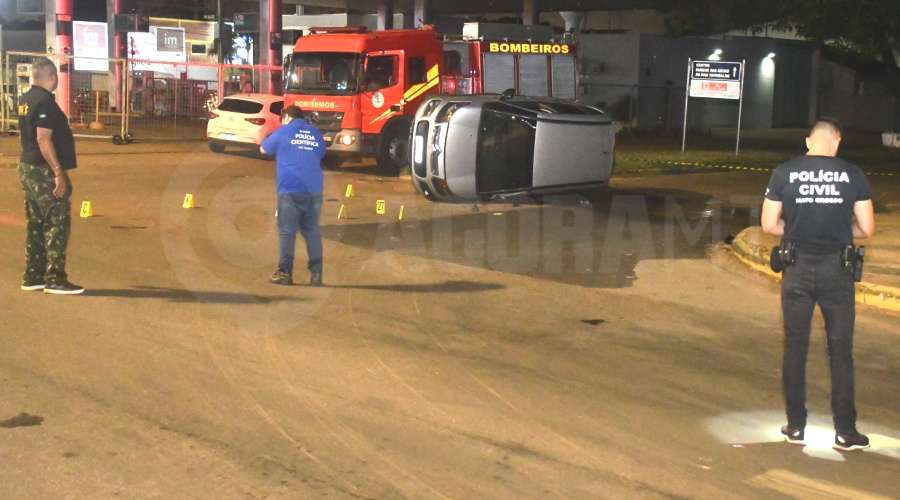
[[350, 192], [188, 201], [86, 210], [343, 213], [379, 207], [400, 217]]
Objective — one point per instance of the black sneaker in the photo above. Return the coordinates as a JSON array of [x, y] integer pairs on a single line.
[[792, 435], [33, 284], [315, 279], [850, 441], [63, 288], [281, 278]]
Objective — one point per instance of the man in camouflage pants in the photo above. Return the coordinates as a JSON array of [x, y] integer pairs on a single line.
[[48, 151]]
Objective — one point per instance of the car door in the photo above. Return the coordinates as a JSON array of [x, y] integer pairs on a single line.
[[383, 89], [572, 150]]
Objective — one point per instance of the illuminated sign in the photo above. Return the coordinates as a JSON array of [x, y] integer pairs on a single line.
[[170, 39], [90, 40], [529, 48], [716, 79], [145, 47], [715, 70]]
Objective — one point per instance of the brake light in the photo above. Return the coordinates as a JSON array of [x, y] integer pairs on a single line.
[[448, 84], [256, 121], [213, 115]]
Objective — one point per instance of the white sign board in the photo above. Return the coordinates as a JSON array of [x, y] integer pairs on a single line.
[[716, 79], [145, 47], [90, 40], [716, 89]]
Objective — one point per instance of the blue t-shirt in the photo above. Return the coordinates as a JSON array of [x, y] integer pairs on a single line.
[[298, 147]]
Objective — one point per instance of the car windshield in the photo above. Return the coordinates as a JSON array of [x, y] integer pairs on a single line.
[[240, 106], [323, 73]]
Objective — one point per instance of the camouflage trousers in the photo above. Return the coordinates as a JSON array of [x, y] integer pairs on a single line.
[[49, 221]]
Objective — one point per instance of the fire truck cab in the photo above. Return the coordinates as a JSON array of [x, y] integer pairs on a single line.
[[361, 88]]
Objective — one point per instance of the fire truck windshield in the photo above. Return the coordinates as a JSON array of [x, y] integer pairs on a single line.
[[323, 73]]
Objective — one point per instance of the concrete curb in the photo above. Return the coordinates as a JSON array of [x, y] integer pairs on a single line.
[[757, 257]]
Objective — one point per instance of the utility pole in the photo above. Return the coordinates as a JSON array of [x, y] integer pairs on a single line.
[[220, 53]]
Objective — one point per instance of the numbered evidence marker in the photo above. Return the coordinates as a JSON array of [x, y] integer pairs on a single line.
[[343, 213], [188, 201], [400, 217], [86, 210], [379, 207], [350, 192]]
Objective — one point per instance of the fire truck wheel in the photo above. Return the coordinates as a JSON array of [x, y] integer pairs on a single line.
[[394, 150], [332, 162]]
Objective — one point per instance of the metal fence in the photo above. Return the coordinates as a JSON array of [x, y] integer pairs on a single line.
[[123, 99], [173, 100], [88, 97], [642, 107]]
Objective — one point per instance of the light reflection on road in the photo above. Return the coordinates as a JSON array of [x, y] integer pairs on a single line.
[[757, 427]]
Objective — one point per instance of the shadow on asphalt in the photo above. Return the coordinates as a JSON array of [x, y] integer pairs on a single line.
[[181, 295], [594, 240], [445, 287]]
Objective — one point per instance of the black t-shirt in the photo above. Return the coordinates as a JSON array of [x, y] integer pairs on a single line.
[[38, 109], [817, 195]]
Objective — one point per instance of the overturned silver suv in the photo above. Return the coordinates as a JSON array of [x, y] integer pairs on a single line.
[[485, 146]]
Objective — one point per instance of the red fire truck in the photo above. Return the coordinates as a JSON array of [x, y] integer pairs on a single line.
[[362, 88]]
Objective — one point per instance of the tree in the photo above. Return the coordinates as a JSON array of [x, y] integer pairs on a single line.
[[870, 28]]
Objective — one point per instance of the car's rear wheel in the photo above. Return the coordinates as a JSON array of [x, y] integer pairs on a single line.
[[393, 151], [216, 146]]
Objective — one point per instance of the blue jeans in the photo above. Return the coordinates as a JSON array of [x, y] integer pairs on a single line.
[[299, 212], [822, 280]]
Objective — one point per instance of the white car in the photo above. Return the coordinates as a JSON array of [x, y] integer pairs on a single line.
[[486, 146], [243, 120]]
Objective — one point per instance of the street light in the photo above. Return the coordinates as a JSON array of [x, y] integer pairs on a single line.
[[715, 55], [767, 67]]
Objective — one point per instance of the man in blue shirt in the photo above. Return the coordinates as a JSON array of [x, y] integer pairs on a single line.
[[298, 148]]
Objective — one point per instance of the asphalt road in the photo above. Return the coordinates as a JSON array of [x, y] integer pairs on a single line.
[[597, 346]]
